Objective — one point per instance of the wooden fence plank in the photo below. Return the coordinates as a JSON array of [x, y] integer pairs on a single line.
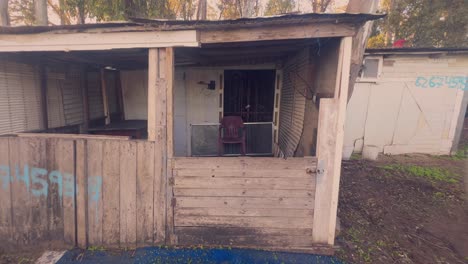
[[240, 202], [243, 163], [94, 162], [240, 221], [184, 211], [37, 161], [246, 237], [261, 173], [111, 193], [54, 198], [20, 191], [128, 172], [82, 193], [66, 165], [247, 183], [145, 177], [242, 192], [5, 191]]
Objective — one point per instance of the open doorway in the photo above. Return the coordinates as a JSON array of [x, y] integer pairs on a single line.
[[250, 94]]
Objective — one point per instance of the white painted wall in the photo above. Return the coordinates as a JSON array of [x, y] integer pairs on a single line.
[[135, 94], [202, 104], [193, 102], [180, 114], [398, 115]]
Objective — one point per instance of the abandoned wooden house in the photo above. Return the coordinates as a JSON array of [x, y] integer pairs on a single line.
[[112, 132]]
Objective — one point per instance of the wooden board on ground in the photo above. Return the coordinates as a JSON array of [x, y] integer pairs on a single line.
[[144, 190], [82, 193], [128, 193], [95, 206], [66, 167], [111, 193], [22, 219], [5, 188]]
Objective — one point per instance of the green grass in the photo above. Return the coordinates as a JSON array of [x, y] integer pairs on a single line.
[[462, 153], [96, 248], [430, 173]]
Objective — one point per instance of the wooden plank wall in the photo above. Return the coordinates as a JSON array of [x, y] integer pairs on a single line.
[[99, 192], [246, 202], [37, 190], [109, 203], [119, 208]]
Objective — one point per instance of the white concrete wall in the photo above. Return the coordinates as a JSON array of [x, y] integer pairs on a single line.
[[413, 107]]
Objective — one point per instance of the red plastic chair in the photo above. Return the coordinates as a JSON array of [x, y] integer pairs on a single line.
[[231, 131]]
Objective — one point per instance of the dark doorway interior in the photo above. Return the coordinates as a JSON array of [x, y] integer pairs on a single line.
[[249, 94]]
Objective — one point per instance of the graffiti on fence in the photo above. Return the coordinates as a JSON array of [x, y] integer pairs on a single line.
[[38, 181], [452, 82]]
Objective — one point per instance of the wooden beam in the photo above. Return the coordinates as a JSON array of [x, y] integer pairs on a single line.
[[329, 151], [43, 84], [120, 95], [158, 91], [84, 95], [92, 41], [170, 204], [153, 83], [322, 30], [105, 99]]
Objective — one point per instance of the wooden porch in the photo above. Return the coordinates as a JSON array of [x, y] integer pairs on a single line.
[[100, 190]]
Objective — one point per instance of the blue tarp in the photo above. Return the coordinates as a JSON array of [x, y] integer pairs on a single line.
[[158, 255]]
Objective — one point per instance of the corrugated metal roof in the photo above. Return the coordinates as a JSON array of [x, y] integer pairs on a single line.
[[140, 24], [429, 50]]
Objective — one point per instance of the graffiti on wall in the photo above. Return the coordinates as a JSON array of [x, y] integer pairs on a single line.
[[38, 181], [452, 82]]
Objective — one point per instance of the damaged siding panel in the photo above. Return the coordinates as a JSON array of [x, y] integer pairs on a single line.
[[292, 103], [72, 101], [55, 114], [96, 107], [20, 101]]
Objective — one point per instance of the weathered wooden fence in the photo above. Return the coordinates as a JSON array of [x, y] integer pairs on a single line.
[[84, 191], [249, 202], [112, 192]]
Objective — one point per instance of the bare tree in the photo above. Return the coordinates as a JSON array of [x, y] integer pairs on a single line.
[[4, 18], [40, 12], [201, 10], [248, 8], [320, 6]]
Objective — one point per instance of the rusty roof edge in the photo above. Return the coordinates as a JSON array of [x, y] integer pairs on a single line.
[[166, 25]]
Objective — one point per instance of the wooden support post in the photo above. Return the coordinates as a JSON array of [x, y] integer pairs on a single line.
[[43, 83], [105, 99], [84, 95], [170, 234], [329, 151], [81, 169], [160, 129], [120, 95]]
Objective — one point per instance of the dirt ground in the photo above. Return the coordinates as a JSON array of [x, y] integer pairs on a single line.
[[404, 209]]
